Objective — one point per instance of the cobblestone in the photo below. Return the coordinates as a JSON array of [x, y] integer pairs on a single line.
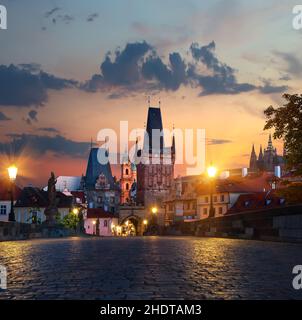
[[149, 268]]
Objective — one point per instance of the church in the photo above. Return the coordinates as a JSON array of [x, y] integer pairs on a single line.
[[267, 159]]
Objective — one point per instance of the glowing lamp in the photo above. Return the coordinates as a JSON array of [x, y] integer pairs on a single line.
[[154, 210], [212, 171], [12, 172]]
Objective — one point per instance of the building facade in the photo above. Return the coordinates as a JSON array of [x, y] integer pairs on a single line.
[[101, 188]]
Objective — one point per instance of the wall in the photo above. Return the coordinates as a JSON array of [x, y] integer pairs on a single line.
[[23, 214], [7, 204], [281, 224], [105, 231], [21, 231]]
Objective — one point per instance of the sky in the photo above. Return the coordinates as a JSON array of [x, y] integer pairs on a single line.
[[71, 68]]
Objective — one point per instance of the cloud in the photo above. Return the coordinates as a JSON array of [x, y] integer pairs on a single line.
[[3, 117], [221, 79], [169, 77], [92, 17], [24, 87], [218, 141], [293, 64], [51, 12], [49, 129], [268, 88], [138, 67], [40, 145], [31, 117]]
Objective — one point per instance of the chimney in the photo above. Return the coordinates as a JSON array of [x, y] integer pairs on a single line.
[[278, 171], [244, 172]]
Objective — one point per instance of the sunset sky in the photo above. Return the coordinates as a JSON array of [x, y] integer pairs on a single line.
[[70, 68]]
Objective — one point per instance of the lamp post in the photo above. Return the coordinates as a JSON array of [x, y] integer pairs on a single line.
[[211, 174], [12, 173]]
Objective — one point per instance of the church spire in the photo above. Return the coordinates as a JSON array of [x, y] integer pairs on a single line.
[[253, 160], [270, 143], [260, 158]]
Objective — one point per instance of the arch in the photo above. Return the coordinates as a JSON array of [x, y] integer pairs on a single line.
[[136, 221]]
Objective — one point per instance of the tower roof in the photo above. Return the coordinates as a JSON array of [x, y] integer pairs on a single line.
[[154, 121], [95, 168]]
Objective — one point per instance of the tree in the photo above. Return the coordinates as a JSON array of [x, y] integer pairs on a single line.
[[287, 123], [70, 221]]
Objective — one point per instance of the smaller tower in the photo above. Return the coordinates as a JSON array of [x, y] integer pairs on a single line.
[[253, 160], [260, 161], [128, 177]]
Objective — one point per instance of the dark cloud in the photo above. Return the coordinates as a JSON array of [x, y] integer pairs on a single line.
[[293, 63], [31, 117], [169, 77], [40, 145], [138, 67], [23, 87], [124, 69], [49, 129], [218, 141], [51, 12], [65, 18], [92, 17], [268, 88], [3, 117], [221, 80]]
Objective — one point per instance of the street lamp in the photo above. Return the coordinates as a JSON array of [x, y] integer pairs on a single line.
[[75, 211], [212, 171], [154, 210], [12, 173]]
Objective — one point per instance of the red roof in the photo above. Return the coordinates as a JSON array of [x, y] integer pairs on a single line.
[[251, 183], [256, 201], [79, 195], [95, 213], [5, 189]]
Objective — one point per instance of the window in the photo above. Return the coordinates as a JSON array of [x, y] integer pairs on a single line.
[[220, 210], [205, 211], [100, 199], [127, 186], [3, 210], [215, 198], [222, 198], [105, 223], [206, 199], [127, 172]]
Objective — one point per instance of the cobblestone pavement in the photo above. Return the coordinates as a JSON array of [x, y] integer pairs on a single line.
[[149, 268]]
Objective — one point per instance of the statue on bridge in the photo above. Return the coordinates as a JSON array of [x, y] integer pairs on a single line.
[[52, 210]]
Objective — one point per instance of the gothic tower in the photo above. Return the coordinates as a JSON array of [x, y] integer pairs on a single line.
[[128, 178], [155, 172], [253, 160]]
